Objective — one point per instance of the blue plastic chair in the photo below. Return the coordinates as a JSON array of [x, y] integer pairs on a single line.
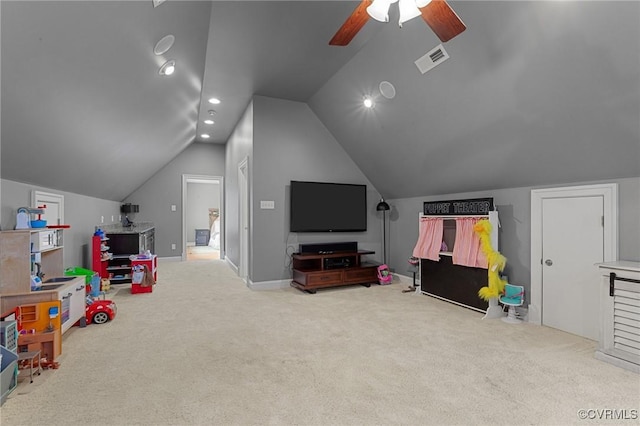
[[512, 297]]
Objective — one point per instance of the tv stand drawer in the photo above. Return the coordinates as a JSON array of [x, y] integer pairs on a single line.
[[324, 278], [360, 275]]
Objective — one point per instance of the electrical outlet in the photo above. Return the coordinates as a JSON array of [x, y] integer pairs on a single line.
[[111, 218], [267, 204], [173, 207], [101, 219], [173, 246], [119, 218]]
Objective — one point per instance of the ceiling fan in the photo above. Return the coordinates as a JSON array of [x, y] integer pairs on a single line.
[[444, 22]]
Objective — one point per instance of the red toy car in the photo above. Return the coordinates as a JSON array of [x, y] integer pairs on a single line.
[[100, 311]]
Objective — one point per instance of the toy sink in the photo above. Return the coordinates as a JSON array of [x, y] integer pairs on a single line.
[[58, 280], [45, 287]]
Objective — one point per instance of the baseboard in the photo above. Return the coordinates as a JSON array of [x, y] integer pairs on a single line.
[[618, 362], [269, 285], [171, 259], [403, 279], [232, 265]]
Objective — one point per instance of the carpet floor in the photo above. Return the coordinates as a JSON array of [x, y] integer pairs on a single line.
[[203, 349]]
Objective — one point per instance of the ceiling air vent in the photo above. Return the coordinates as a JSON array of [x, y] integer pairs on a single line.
[[434, 57]]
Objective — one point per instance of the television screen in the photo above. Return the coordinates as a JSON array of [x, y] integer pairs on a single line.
[[328, 207]]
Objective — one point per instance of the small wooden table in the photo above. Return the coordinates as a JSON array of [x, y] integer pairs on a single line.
[[34, 362]]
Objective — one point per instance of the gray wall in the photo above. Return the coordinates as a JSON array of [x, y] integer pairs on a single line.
[[290, 143], [514, 207], [200, 198], [156, 196], [81, 212]]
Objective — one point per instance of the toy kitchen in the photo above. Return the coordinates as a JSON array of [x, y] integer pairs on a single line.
[[32, 280]]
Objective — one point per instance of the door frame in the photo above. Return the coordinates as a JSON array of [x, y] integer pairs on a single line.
[[243, 218], [609, 192], [41, 197], [187, 178]]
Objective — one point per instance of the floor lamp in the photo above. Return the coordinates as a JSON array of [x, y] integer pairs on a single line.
[[384, 207]]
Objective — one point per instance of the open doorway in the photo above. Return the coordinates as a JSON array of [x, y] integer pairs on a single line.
[[202, 217]]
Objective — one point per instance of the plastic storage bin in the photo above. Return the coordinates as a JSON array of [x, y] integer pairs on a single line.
[[77, 271], [8, 373], [138, 288], [9, 335]]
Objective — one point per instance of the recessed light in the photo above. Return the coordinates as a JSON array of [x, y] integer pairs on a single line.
[[168, 67], [205, 136], [368, 102], [164, 44], [214, 101], [208, 121]]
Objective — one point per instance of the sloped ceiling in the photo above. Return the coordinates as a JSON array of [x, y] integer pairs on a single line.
[[534, 92], [83, 106]]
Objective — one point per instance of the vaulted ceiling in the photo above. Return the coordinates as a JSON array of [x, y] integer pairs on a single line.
[[533, 93]]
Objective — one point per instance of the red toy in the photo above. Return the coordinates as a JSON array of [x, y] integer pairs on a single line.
[[100, 311]]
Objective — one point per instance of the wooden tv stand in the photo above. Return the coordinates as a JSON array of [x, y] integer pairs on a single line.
[[312, 271]]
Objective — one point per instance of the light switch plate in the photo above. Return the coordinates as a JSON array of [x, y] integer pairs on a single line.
[[267, 204], [173, 207]]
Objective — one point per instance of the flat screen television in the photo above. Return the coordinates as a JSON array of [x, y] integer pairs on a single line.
[[328, 207]]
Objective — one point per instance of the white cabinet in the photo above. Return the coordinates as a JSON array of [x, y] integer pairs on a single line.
[[72, 302], [619, 341], [45, 240]]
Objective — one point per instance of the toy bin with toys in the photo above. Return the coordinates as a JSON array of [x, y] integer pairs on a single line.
[[143, 273]]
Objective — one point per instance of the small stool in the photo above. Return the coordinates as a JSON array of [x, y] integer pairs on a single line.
[[31, 357]]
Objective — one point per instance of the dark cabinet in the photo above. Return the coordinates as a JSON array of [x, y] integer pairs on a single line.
[[312, 271], [202, 237], [455, 283], [123, 244]]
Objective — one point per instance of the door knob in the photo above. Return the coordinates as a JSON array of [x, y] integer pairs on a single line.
[[548, 262]]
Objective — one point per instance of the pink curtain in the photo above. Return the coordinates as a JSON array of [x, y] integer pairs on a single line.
[[466, 250], [430, 238]]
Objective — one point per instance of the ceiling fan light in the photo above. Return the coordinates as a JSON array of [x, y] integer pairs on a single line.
[[422, 3], [379, 10], [408, 10]]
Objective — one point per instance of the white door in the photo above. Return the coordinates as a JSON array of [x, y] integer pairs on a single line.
[[572, 243], [54, 210]]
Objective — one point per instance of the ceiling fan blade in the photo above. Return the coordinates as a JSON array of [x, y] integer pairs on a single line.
[[352, 25], [442, 19]]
